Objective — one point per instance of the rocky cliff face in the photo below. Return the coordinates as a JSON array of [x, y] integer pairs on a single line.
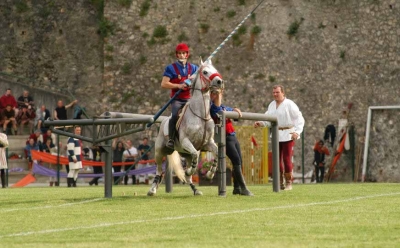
[[326, 53]]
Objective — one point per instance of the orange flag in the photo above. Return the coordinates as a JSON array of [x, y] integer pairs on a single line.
[[24, 181]]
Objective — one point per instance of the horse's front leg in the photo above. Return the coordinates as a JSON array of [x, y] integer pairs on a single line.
[[189, 148], [212, 147]]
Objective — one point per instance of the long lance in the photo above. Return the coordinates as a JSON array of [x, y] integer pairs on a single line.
[[208, 59]]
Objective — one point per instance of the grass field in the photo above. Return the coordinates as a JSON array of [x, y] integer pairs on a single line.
[[325, 215]]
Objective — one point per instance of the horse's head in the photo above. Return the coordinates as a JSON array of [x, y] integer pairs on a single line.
[[209, 77]]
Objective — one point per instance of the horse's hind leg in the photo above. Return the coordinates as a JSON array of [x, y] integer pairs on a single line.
[[159, 173]]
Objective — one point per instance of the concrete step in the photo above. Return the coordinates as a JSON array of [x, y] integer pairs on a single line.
[[17, 163]]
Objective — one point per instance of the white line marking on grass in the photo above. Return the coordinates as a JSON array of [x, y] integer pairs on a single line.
[[193, 216], [50, 206]]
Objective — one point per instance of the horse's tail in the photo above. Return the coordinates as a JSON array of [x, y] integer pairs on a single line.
[[174, 164]]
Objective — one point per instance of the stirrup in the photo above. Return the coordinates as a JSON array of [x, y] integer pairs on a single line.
[[170, 144]]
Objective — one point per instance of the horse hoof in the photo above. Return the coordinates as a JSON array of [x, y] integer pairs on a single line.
[[210, 175], [150, 193], [198, 192]]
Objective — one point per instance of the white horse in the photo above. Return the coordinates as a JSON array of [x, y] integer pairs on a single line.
[[195, 133]]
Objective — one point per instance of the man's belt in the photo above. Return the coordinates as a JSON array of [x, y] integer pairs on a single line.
[[285, 128]]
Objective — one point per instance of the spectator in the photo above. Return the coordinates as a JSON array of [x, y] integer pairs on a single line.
[[24, 118], [144, 154], [9, 117], [28, 151], [319, 160], [49, 147], [97, 151], [42, 114], [143, 149], [291, 124], [26, 100], [60, 112], [74, 147], [9, 99], [119, 149], [35, 136], [48, 135], [3, 158], [130, 154]]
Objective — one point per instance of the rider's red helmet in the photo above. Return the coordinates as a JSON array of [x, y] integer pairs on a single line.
[[182, 47]]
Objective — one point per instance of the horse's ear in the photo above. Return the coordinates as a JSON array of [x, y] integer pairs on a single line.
[[201, 61]]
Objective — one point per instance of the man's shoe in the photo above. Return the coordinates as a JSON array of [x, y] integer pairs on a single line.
[[170, 144]]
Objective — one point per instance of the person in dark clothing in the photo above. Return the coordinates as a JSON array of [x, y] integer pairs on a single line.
[[143, 148], [330, 134], [319, 160], [60, 112], [118, 151], [97, 151], [232, 145]]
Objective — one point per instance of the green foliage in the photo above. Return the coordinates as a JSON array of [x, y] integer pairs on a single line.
[[342, 54], [259, 76], [44, 12], [242, 30], [99, 5], [253, 17], [204, 27], [145, 35], [294, 28], [109, 48], [182, 37], [217, 9], [125, 3], [231, 13], [21, 6], [106, 28], [126, 68], [108, 57], [256, 30], [271, 78], [160, 31], [151, 42], [241, 2], [236, 40], [142, 60], [144, 7]]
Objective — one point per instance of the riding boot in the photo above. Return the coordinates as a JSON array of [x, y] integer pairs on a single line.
[[69, 181], [281, 182], [236, 186], [171, 132], [3, 179], [243, 188], [126, 180], [73, 182], [288, 179]]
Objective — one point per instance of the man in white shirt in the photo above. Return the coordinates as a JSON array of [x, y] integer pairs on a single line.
[[130, 154], [291, 124]]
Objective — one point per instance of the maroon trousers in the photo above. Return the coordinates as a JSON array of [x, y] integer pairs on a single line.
[[285, 156]]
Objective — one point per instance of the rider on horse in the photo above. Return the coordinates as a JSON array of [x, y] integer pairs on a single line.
[[173, 78]]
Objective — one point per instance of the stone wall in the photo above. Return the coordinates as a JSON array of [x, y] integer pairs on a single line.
[[327, 53]]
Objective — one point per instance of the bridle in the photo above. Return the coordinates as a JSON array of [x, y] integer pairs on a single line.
[[205, 82]]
